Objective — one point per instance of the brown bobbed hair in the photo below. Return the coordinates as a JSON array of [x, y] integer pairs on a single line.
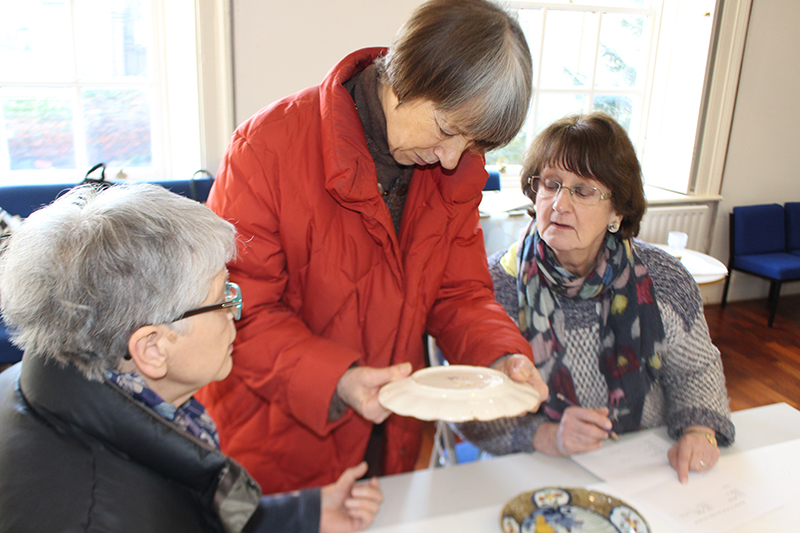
[[593, 146], [471, 59]]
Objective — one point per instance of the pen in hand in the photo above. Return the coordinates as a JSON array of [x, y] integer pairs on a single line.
[[611, 433]]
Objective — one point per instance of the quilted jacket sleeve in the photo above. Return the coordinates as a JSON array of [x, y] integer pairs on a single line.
[[466, 320], [293, 512], [275, 352]]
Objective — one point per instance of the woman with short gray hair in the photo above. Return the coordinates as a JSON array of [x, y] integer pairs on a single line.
[[358, 203], [121, 302], [87, 272]]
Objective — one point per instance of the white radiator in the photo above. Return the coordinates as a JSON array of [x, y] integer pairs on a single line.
[[694, 220]]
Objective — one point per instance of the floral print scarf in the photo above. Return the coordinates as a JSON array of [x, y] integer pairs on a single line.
[[631, 332], [192, 417]]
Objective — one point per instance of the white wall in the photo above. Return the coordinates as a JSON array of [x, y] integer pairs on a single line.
[[282, 47], [763, 162]]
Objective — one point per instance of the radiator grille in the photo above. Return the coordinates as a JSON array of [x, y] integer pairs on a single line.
[[694, 220]]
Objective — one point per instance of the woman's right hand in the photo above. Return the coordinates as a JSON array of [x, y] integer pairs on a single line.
[[359, 387], [349, 505], [580, 430]]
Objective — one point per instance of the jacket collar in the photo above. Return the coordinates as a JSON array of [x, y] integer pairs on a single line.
[[349, 169], [98, 413]]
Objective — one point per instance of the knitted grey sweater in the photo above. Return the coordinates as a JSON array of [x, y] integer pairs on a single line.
[[689, 391]]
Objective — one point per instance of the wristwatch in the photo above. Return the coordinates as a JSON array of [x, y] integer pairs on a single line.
[[710, 437]]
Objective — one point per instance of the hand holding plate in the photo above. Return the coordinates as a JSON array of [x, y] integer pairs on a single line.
[[520, 368], [359, 387]]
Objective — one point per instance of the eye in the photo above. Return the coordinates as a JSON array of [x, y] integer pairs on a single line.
[[551, 185], [584, 192], [445, 134]]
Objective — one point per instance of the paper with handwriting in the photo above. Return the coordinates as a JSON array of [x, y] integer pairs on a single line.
[[637, 467]]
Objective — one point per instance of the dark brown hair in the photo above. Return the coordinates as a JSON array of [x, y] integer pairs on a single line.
[[593, 146], [471, 59]]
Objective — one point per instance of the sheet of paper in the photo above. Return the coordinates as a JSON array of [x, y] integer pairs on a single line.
[[712, 501], [637, 467], [638, 461]]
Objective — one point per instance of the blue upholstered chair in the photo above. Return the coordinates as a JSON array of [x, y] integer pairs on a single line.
[[758, 247], [792, 212], [493, 182]]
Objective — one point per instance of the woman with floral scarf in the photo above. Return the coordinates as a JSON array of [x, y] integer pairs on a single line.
[[616, 325]]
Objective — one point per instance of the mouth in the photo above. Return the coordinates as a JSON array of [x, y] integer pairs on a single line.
[[420, 161], [559, 225]]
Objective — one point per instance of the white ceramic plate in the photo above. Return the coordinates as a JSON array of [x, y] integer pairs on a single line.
[[458, 393]]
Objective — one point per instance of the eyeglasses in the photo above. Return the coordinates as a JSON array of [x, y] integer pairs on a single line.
[[233, 303], [547, 188]]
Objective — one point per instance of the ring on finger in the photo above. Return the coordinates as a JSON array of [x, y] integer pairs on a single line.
[[702, 464]]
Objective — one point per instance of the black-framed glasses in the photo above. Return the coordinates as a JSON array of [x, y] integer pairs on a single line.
[[582, 194], [233, 303]]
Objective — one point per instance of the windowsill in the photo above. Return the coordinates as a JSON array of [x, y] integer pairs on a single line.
[[659, 196]]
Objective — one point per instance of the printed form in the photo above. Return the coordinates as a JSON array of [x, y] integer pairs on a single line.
[[638, 470]]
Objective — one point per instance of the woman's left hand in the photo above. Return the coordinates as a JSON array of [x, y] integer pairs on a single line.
[[520, 368], [694, 452], [348, 505]]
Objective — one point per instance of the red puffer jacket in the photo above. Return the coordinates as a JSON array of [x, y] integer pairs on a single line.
[[327, 283]]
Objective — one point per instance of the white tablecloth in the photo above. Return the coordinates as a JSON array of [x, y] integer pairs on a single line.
[[469, 498]]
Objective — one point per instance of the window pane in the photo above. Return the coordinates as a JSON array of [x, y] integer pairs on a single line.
[[511, 154], [639, 4], [113, 38], [553, 106], [118, 131], [530, 20], [622, 54], [35, 44], [38, 129], [619, 107], [569, 46]]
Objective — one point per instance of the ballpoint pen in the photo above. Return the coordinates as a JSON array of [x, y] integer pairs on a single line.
[[611, 433]]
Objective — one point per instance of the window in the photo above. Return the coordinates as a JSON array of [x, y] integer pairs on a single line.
[[90, 81], [641, 61]]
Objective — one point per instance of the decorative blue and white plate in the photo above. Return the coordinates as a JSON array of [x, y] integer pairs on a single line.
[[564, 510]]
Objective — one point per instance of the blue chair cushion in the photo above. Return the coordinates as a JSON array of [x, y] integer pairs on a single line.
[[23, 200], [758, 229], [792, 211], [781, 266], [8, 352], [493, 182]]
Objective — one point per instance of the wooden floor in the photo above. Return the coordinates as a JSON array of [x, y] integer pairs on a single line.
[[761, 364]]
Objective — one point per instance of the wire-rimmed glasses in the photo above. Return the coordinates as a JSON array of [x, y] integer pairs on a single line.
[[582, 194]]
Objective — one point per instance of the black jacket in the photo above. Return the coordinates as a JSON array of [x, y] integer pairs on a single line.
[[80, 455]]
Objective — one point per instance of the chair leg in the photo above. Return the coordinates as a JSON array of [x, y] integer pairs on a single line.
[[725, 290], [774, 292]]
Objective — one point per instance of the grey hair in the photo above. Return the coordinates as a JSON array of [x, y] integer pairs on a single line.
[[82, 274], [471, 59]]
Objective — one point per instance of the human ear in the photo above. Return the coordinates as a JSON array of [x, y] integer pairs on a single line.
[[147, 352]]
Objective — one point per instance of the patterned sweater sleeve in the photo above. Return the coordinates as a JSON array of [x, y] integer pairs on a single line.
[[505, 435], [692, 378]]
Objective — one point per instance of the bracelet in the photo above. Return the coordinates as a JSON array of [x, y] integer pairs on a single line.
[[710, 437]]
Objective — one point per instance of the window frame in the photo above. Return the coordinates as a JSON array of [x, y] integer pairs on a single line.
[[726, 51], [192, 117]]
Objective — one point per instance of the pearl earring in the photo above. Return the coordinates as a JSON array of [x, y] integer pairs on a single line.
[[613, 227]]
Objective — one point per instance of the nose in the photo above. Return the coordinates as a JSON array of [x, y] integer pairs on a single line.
[[562, 201], [449, 152]]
